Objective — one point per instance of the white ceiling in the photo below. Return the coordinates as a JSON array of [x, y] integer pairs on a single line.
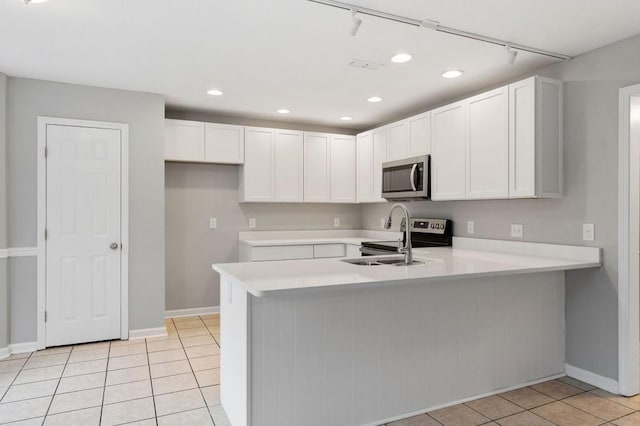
[[270, 54]]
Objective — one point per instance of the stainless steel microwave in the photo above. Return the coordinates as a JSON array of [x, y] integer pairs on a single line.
[[407, 179]]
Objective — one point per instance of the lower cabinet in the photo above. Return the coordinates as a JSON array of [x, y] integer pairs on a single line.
[[292, 252]]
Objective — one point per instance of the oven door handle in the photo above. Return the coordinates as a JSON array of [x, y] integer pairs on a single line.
[[412, 177]]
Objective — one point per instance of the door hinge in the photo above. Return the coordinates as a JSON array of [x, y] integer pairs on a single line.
[[45, 233], [45, 316], [46, 152]]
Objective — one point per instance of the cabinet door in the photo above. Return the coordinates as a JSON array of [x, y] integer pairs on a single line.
[[488, 145], [223, 143], [183, 140], [343, 168], [398, 142], [448, 141], [420, 134], [316, 167], [257, 172], [522, 138], [379, 157], [288, 164], [365, 168]]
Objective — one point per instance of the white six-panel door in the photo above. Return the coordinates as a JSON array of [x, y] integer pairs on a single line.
[[83, 226]]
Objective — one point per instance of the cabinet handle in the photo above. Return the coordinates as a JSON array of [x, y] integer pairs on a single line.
[[412, 178]]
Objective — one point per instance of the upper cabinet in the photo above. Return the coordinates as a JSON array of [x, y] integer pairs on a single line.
[[535, 138], [183, 140], [273, 167], [199, 142], [223, 143], [329, 168], [505, 143], [371, 153], [409, 137], [448, 159]]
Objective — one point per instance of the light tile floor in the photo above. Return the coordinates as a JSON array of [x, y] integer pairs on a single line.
[[562, 402], [173, 380]]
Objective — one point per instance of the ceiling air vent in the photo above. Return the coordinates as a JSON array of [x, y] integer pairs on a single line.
[[367, 65]]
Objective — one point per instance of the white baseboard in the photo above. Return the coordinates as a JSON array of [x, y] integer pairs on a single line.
[[460, 401], [191, 312], [20, 348], [147, 332], [4, 352], [610, 385]]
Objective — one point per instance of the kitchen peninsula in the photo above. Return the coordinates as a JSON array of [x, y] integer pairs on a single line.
[[319, 342]]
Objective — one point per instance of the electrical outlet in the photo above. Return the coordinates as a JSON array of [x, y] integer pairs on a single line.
[[383, 220], [336, 222], [470, 227], [588, 232], [213, 223], [252, 222], [517, 230]]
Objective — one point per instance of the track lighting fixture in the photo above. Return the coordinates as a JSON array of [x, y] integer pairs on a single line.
[[511, 54], [435, 26], [356, 22]]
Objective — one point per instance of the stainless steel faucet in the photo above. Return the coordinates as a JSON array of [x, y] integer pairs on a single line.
[[406, 250]]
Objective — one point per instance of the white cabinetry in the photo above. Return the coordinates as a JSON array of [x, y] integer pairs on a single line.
[[372, 152], [448, 155], [273, 166], [317, 178], [409, 137], [343, 169], [223, 143], [535, 138], [505, 143], [329, 168], [488, 145], [183, 140], [194, 141]]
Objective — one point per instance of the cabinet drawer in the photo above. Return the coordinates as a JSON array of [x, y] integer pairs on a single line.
[[282, 253], [328, 250]]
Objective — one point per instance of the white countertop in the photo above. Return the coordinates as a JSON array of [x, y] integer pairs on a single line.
[[469, 258]]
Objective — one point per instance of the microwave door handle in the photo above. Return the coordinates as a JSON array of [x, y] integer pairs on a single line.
[[412, 177]]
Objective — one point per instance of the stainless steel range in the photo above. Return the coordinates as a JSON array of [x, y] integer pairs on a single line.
[[424, 233]]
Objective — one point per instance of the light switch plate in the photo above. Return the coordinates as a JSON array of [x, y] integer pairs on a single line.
[[471, 227], [213, 223], [252, 222], [336, 222], [517, 230], [588, 232]]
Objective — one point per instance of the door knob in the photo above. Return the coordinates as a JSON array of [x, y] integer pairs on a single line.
[[114, 246]]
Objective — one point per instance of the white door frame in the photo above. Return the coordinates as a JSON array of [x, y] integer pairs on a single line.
[[42, 217], [628, 249]]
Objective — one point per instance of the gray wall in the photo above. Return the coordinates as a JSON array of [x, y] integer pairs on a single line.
[[592, 82], [4, 290], [27, 99], [196, 192]]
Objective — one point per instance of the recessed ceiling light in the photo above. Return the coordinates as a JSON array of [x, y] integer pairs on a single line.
[[283, 111], [452, 74], [401, 58], [374, 99], [215, 92], [346, 118]]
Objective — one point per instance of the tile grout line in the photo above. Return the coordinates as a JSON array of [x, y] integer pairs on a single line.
[[57, 386], [153, 397], [16, 377], [194, 374], [196, 378], [104, 387]]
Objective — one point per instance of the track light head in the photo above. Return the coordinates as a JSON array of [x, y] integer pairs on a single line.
[[356, 22], [511, 55]]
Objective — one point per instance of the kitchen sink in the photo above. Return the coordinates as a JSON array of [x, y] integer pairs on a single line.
[[380, 261]]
